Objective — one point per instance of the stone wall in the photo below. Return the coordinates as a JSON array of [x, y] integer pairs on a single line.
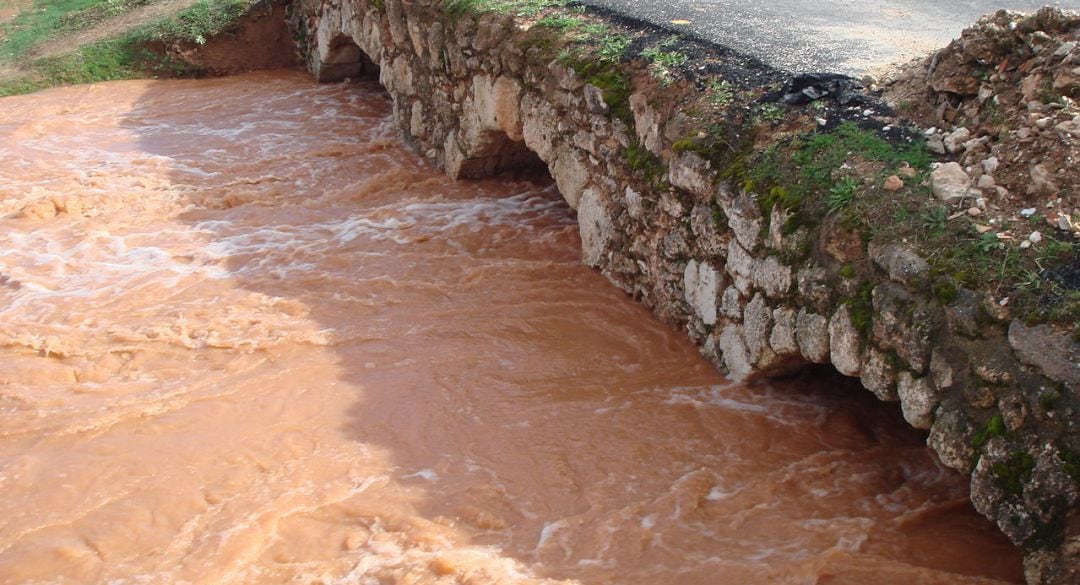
[[477, 96]]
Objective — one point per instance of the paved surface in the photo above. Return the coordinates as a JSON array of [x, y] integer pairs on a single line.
[[844, 36]]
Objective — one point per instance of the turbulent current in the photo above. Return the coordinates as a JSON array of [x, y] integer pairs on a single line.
[[246, 336]]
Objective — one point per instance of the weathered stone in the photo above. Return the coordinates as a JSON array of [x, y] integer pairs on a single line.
[[949, 182], [416, 119], [736, 360], [691, 172], [954, 140], [701, 282], [844, 343], [1042, 180], [900, 322], [902, 265], [950, 438], [740, 266], [1055, 355], [595, 226], [1014, 411], [878, 374], [744, 219], [594, 99], [917, 400], [706, 232], [772, 277], [633, 203], [812, 334], [732, 303], [646, 123], [783, 340], [813, 285], [539, 126], [757, 319], [507, 103], [570, 174], [941, 371]]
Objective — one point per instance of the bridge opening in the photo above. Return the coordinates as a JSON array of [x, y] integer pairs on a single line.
[[345, 59]]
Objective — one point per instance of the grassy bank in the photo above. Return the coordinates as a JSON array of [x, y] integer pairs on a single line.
[[41, 47]]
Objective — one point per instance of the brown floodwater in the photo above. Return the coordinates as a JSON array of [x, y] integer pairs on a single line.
[[247, 337]]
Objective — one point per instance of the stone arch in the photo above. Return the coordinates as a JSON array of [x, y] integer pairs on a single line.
[[490, 140], [343, 58]]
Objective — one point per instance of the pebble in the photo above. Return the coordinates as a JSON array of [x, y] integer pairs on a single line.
[[893, 183], [1022, 133], [986, 182], [1025, 245], [1027, 212], [1044, 123], [906, 172], [990, 165], [974, 211], [1035, 237]]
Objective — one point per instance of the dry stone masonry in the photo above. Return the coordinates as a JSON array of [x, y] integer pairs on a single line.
[[477, 95]]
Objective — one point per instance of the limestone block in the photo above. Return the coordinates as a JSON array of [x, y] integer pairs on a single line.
[[901, 324], [731, 304], [570, 174], [483, 102], [941, 371], [757, 320], [949, 182], [706, 235], [813, 285], [950, 437], [691, 172], [735, 356], [812, 334], [1057, 356], [507, 102], [633, 203], [740, 266], [701, 283], [395, 18], [745, 219], [772, 277], [539, 126], [416, 31], [844, 342], [782, 338], [878, 374], [416, 119], [918, 399], [902, 265], [594, 99], [646, 123], [594, 224]]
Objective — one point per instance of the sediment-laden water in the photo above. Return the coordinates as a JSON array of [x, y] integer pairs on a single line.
[[247, 337]]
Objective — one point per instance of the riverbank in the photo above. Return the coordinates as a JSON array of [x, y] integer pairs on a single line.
[[50, 44]]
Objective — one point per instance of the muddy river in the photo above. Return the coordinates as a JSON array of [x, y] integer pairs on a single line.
[[247, 337]]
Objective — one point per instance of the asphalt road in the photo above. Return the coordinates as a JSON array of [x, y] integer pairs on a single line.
[[855, 37]]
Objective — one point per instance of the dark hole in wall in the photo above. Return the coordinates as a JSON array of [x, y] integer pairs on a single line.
[[346, 60]]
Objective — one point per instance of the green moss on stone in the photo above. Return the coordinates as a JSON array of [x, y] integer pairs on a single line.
[[995, 427], [1011, 474]]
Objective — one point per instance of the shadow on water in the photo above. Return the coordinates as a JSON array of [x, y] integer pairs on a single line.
[[522, 401]]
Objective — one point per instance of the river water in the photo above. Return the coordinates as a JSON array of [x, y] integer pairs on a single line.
[[247, 337]]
